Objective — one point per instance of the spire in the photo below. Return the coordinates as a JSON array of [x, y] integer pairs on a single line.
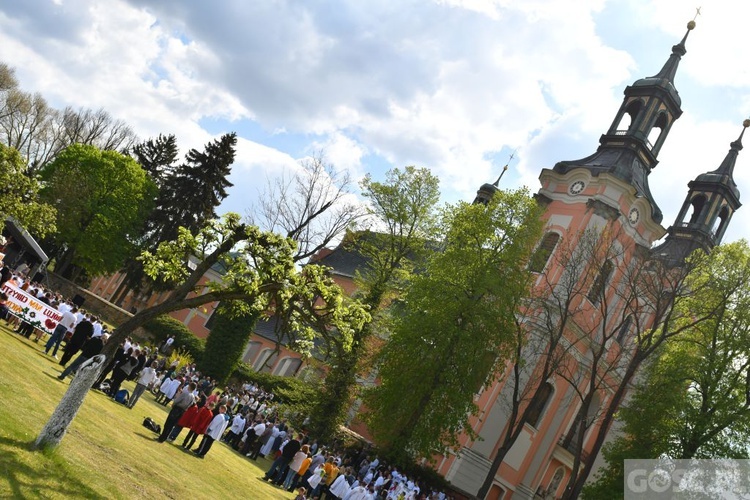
[[711, 201], [727, 166], [505, 169], [669, 70], [487, 191], [724, 174]]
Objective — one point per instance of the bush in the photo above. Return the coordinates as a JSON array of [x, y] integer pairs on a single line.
[[164, 326], [296, 395]]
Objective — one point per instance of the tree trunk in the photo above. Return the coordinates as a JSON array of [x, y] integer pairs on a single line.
[[66, 410], [576, 487], [63, 263]]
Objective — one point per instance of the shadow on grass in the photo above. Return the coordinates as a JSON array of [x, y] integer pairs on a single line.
[[50, 478], [53, 376]]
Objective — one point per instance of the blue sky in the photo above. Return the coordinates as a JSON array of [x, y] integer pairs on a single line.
[[453, 85]]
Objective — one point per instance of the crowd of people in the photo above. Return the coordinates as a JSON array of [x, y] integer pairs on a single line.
[[245, 417]]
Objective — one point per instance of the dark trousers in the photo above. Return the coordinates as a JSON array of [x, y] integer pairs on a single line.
[[249, 440], [190, 439], [255, 453], [175, 432], [278, 465], [117, 379], [206, 444], [69, 351], [25, 329], [174, 415], [73, 366], [104, 374]]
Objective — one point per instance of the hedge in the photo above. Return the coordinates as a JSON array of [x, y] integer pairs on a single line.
[[163, 326], [297, 395]]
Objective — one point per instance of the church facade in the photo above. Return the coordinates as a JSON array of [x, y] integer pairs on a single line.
[[602, 223]]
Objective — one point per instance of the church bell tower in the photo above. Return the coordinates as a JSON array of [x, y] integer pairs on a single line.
[[711, 201]]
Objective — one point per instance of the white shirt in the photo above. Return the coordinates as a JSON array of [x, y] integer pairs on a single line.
[[171, 388], [340, 487], [238, 424], [148, 375], [217, 426], [259, 429], [97, 329], [358, 493], [68, 320]]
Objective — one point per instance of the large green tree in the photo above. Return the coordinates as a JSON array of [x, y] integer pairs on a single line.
[[260, 270], [456, 325], [19, 195], [195, 188], [158, 158], [403, 212], [694, 399], [102, 198]]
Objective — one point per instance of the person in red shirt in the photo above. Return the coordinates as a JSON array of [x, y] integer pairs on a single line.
[[199, 424], [186, 420]]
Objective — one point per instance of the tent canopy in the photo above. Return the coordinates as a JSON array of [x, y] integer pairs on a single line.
[[23, 238]]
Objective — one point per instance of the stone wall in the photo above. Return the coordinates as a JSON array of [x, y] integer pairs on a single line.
[[106, 310]]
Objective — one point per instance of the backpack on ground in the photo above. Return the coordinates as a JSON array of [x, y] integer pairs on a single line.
[[122, 396], [151, 425]]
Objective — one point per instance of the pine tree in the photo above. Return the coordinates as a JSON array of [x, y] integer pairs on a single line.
[[200, 184]]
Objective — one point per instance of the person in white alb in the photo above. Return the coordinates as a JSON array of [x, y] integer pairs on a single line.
[[97, 327], [215, 430], [235, 432]]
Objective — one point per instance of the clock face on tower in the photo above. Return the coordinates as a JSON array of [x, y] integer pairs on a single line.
[[576, 187], [634, 215]]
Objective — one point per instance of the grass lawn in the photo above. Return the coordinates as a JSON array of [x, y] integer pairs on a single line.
[[106, 453]]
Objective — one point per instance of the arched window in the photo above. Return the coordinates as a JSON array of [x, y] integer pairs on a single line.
[[628, 118], [571, 439], [270, 361], [697, 204], [541, 255], [287, 367], [539, 404], [251, 352], [657, 130], [721, 222], [264, 361], [600, 283], [624, 328], [555, 482]]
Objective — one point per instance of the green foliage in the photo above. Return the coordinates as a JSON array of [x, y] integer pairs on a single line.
[[457, 325], [692, 401], [102, 198], [296, 395], [226, 343], [260, 274], [164, 326], [190, 192], [19, 195], [402, 211], [182, 356]]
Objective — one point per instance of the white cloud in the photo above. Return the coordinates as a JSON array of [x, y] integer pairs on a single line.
[[446, 84]]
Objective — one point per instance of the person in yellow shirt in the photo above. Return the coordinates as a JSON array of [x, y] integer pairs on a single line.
[[301, 475]]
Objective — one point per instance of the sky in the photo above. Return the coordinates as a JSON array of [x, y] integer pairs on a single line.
[[452, 85]]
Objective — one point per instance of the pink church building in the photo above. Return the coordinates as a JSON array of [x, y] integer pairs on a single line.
[[606, 193]]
